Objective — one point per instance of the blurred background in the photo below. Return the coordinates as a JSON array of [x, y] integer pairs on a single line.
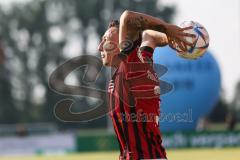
[[201, 113]]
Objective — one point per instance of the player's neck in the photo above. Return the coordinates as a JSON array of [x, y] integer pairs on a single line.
[[116, 61]]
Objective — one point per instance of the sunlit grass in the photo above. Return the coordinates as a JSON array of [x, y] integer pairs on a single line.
[[176, 154]]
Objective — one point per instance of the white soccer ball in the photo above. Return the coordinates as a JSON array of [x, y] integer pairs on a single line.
[[201, 41]]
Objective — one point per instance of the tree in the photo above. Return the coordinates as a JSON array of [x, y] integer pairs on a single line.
[[37, 37], [219, 112], [235, 105]]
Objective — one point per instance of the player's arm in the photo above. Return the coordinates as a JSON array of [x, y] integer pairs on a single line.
[[154, 39], [150, 40], [133, 23]]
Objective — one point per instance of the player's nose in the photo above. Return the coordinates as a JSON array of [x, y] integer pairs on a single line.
[[100, 47]]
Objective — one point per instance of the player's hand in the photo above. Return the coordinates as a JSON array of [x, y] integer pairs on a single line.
[[177, 37]]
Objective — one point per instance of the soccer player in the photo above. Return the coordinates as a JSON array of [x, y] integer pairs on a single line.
[[127, 46]]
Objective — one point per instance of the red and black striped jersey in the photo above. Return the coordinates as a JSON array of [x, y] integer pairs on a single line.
[[134, 106]]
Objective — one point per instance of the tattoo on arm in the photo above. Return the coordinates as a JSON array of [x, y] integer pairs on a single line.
[[132, 24], [137, 24]]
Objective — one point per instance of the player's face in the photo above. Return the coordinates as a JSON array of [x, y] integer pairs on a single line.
[[109, 46]]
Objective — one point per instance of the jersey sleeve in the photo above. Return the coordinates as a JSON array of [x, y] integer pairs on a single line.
[[145, 54]]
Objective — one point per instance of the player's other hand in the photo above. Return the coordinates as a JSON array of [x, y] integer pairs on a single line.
[[177, 37]]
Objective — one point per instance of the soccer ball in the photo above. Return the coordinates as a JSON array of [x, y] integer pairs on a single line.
[[201, 41]]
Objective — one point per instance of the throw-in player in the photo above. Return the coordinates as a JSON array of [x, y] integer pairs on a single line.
[[128, 45]]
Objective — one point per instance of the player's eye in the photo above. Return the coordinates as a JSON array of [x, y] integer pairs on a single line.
[[109, 46], [103, 38]]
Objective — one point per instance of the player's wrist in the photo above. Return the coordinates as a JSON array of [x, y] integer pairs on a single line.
[[168, 28]]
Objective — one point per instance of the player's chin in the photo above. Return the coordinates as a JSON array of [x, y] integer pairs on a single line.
[[105, 63]]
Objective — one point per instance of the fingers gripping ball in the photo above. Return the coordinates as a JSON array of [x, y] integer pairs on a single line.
[[200, 41]]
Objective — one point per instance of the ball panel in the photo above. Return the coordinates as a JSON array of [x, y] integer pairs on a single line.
[[201, 42]]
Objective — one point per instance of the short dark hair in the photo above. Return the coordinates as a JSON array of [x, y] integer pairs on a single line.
[[113, 23]]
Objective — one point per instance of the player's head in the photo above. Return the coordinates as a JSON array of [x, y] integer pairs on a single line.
[[109, 44]]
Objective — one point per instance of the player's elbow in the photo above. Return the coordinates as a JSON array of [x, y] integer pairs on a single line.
[[125, 16], [146, 36], [148, 39]]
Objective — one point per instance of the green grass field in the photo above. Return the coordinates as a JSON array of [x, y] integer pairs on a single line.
[[181, 154]]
